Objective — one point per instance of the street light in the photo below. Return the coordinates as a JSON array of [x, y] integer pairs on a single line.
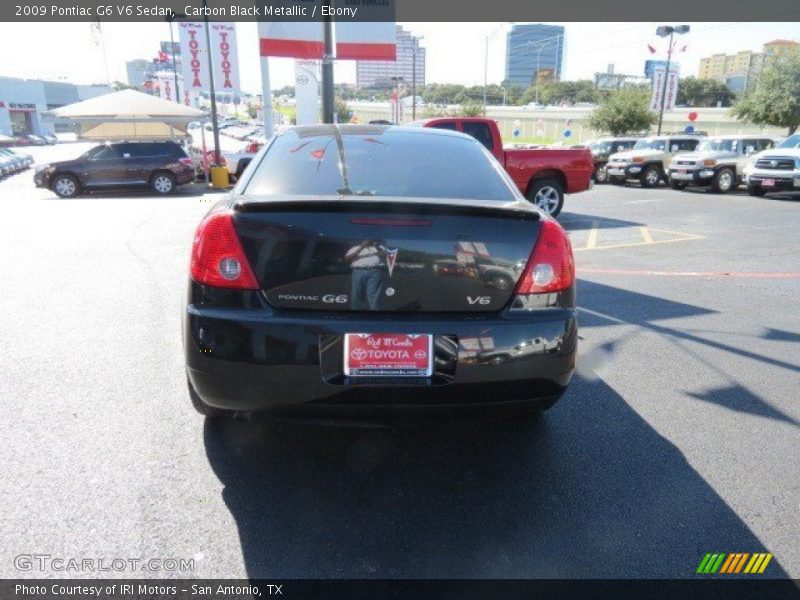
[[414, 43], [486, 64], [170, 20], [398, 79], [664, 31]]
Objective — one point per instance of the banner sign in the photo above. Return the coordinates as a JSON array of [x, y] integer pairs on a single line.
[[166, 87], [194, 59], [354, 41], [225, 57], [659, 73], [306, 91]]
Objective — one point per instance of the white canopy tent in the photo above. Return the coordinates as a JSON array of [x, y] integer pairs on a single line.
[[129, 115]]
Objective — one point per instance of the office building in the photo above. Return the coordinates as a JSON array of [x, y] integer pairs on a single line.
[[24, 103], [379, 73], [139, 71], [534, 52]]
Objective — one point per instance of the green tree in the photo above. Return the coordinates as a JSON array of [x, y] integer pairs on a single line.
[[775, 100], [471, 108], [704, 92], [623, 111], [342, 111]]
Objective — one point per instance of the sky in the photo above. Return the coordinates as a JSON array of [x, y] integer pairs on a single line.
[[455, 51]]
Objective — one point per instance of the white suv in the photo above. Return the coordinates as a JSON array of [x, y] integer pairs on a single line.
[[776, 170]]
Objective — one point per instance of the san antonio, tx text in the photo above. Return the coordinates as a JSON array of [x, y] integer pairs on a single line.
[[219, 591]]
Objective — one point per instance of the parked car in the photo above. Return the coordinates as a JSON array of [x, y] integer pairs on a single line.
[[605, 147], [7, 165], [160, 165], [776, 170], [717, 162], [544, 175], [33, 140], [20, 161], [648, 161], [313, 287], [237, 162], [50, 138]]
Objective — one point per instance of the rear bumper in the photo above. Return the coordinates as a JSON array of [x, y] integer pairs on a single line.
[[292, 363]]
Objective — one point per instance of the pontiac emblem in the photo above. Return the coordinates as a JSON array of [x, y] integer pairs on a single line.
[[391, 258]]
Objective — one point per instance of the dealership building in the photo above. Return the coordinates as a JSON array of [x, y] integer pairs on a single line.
[[24, 102]]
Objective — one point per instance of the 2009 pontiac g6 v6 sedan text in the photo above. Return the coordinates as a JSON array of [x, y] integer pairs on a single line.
[[362, 270]]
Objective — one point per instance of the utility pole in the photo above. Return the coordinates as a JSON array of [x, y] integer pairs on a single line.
[[170, 19], [328, 107]]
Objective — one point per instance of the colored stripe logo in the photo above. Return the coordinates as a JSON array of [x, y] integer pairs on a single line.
[[734, 562]]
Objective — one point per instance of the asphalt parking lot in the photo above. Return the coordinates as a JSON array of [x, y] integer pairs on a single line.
[[678, 436]]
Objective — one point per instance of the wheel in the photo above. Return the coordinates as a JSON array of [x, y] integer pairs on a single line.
[[547, 195], [724, 181], [600, 174], [204, 409], [756, 190], [616, 180], [163, 183], [677, 185], [66, 186], [650, 177]]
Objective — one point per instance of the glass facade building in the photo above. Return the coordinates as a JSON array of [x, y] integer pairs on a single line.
[[532, 50]]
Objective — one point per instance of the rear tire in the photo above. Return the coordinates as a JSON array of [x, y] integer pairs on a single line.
[[208, 411], [66, 186], [547, 195], [677, 185], [756, 190], [724, 181], [650, 177], [163, 183]]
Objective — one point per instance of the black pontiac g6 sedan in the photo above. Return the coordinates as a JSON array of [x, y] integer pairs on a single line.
[[346, 275]]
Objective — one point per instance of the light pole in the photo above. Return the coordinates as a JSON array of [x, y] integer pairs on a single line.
[[486, 64], [414, 44], [664, 31], [398, 79], [170, 19], [212, 92]]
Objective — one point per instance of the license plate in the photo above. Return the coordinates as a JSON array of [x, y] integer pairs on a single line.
[[615, 172], [681, 175], [388, 355], [768, 182]]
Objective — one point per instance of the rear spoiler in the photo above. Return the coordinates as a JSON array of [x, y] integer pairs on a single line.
[[512, 210]]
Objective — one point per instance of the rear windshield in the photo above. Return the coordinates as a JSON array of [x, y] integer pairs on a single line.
[[365, 161]]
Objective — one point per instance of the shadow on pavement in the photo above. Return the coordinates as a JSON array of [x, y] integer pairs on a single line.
[[576, 222], [739, 398], [590, 490]]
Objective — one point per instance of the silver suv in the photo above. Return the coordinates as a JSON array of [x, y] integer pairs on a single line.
[[718, 162], [647, 162], [776, 170]]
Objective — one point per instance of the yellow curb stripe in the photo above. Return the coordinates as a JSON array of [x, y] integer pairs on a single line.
[[648, 239], [757, 564], [749, 567], [592, 241]]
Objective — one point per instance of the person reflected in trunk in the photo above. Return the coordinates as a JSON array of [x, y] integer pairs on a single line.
[[368, 264]]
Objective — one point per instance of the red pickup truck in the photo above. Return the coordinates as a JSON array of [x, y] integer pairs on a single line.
[[542, 174]]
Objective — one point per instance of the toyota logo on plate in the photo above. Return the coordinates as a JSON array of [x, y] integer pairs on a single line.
[[420, 354], [302, 79], [359, 354]]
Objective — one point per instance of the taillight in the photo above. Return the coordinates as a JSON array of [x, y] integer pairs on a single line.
[[186, 161], [217, 256], [551, 267]]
